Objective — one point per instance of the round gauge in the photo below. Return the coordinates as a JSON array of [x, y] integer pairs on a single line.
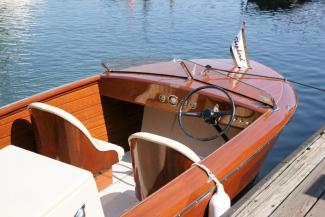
[[173, 100], [162, 98], [193, 105]]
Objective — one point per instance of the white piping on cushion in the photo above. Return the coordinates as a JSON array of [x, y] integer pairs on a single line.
[[184, 150]]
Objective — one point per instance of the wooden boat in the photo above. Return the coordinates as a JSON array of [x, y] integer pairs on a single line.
[[190, 103]]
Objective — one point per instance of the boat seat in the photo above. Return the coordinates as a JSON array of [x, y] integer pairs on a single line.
[[157, 160], [62, 136]]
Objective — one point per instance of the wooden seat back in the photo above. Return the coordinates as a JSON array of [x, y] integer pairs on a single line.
[[58, 138]]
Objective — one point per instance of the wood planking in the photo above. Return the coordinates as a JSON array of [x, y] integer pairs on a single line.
[[83, 102], [73, 101], [5, 122], [80, 108], [57, 99], [86, 115], [269, 196], [318, 208], [304, 197]]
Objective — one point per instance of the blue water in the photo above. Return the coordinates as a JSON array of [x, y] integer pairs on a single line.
[[44, 44]]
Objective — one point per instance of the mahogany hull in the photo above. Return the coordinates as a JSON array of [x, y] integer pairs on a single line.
[[92, 101], [236, 163]]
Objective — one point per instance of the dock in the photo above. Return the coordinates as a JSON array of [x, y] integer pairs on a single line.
[[296, 187]]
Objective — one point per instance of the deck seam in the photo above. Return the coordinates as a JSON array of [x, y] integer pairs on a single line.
[[297, 186], [318, 198], [284, 168], [279, 198]]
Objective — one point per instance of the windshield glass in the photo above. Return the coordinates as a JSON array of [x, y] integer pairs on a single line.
[[230, 81], [235, 83]]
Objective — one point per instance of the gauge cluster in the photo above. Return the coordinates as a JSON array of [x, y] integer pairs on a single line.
[[174, 100], [169, 97], [243, 116]]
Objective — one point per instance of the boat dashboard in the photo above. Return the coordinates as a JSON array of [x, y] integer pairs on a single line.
[[169, 94]]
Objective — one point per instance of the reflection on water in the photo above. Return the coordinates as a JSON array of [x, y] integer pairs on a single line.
[[15, 32], [46, 43], [277, 4]]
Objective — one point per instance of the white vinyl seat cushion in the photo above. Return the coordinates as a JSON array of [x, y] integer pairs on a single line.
[[181, 148], [100, 145]]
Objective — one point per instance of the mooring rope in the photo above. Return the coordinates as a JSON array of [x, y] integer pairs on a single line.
[[211, 176]]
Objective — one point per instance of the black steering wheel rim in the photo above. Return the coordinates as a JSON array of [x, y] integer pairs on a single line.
[[184, 102]]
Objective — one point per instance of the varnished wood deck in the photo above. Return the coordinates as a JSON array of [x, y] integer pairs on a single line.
[[296, 187]]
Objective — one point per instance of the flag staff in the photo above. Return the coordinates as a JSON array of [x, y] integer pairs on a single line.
[[238, 49]]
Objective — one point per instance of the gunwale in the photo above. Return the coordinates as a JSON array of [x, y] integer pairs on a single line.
[[46, 95]]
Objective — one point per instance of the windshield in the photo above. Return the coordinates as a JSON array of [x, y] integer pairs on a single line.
[[235, 83], [227, 80]]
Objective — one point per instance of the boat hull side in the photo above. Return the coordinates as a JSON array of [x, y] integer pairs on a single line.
[[80, 98]]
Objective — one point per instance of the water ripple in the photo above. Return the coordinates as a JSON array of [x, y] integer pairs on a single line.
[[46, 43]]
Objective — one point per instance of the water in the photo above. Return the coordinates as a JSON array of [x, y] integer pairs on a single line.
[[44, 44]]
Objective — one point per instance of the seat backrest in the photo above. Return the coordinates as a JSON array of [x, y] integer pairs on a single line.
[[157, 160], [61, 136]]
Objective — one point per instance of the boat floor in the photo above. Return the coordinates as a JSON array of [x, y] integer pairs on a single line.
[[120, 195]]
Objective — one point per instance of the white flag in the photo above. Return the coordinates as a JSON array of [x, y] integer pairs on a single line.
[[238, 49]]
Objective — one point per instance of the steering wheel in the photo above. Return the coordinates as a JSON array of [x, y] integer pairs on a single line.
[[209, 115]]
